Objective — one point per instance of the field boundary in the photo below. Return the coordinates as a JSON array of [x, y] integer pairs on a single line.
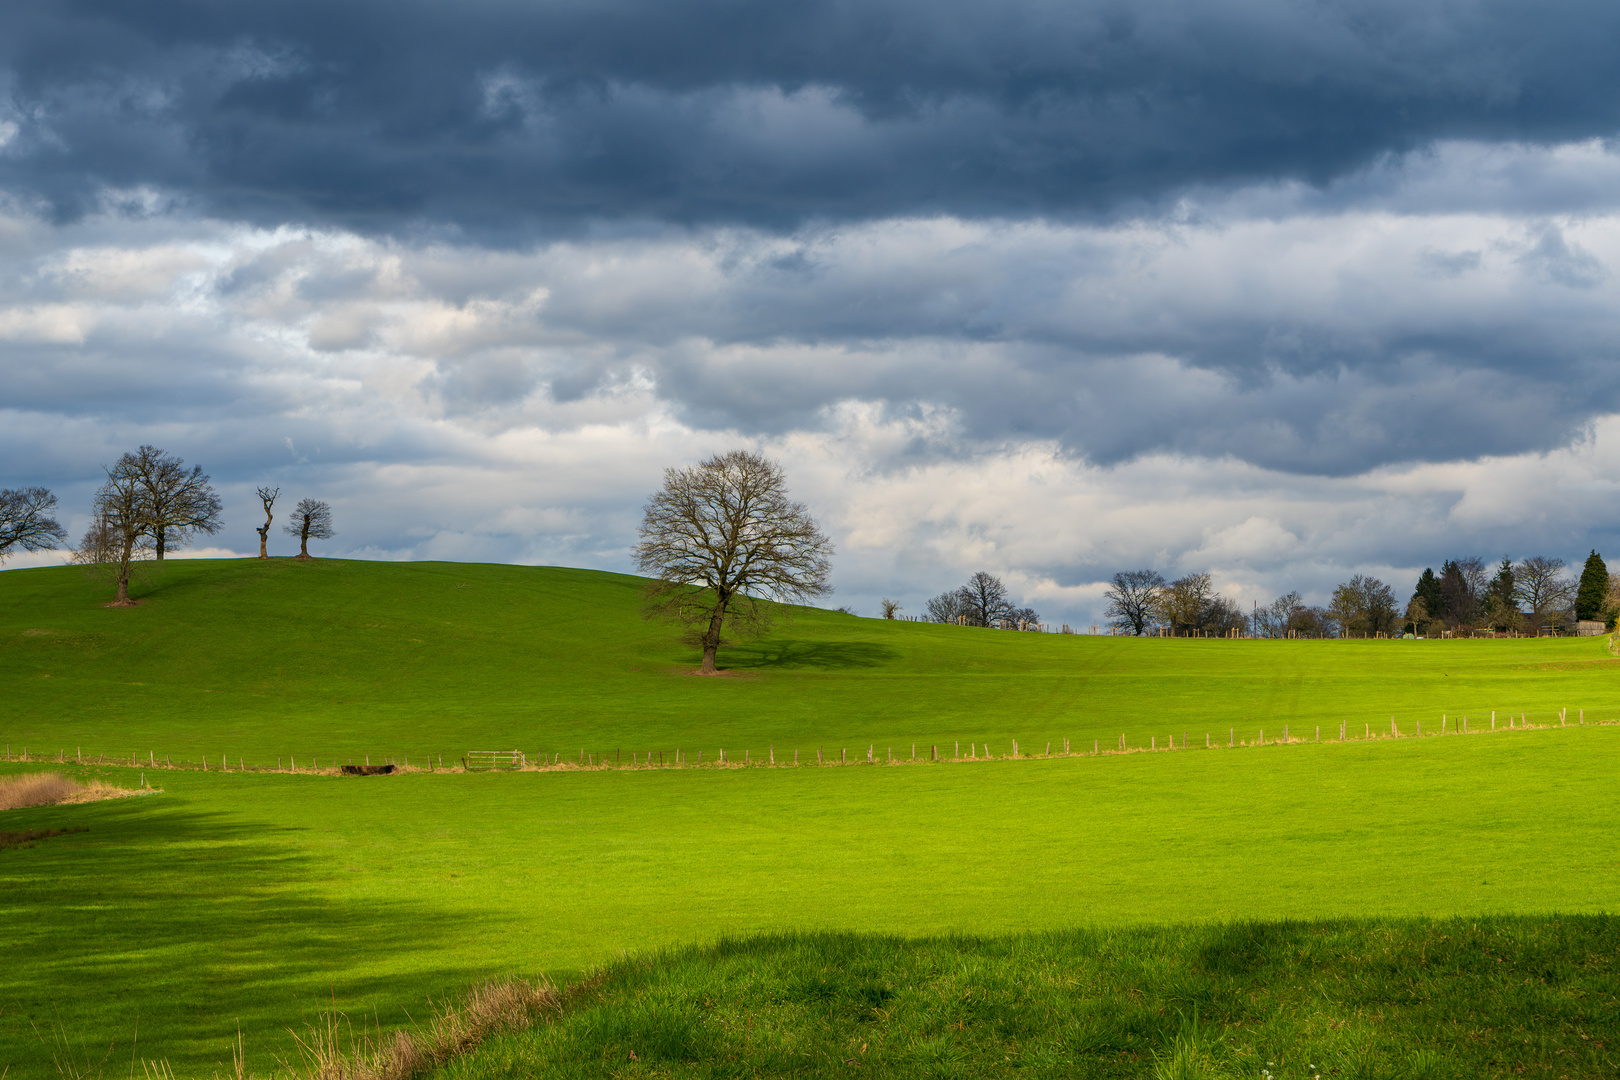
[[912, 754]]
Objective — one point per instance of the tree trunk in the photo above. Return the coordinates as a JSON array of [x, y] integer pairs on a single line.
[[161, 542], [303, 544], [122, 599], [264, 539], [711, 639]]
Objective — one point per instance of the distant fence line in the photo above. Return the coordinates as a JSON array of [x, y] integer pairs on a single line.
[[916, 753], [1103, 630]]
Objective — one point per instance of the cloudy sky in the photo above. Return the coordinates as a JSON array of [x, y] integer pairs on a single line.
[[1285, 290]]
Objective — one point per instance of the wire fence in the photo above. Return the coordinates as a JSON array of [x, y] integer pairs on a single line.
[[956, 751]]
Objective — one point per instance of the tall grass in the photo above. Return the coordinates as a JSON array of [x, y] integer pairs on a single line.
[[36, 789], [52, 789]]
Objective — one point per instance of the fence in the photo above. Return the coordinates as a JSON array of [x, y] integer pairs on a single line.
[[915, 753]]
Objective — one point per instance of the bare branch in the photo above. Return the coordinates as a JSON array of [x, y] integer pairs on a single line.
[[26, 523], [722, 536]]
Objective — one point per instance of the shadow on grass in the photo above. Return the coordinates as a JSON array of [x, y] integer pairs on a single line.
[[827, 655], [158, 931]]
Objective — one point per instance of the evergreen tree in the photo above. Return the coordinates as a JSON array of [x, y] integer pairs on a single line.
[[1594, 588], [1502, 598], [1428, 591]]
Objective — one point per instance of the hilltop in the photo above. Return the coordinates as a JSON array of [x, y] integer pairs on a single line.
[[343, 657]]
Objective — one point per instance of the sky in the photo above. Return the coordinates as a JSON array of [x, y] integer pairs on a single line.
[[1284, 291]]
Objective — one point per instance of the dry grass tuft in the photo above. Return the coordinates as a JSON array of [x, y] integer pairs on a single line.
[[52, 789], [502, 1005]]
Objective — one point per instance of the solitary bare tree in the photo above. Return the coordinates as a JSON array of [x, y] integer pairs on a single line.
[[120, 523], [268, 497], [178, 502], [26, 523], [723, 536], [310, 520], [891, 608]]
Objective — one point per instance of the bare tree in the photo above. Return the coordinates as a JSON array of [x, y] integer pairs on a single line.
[[267, 496], [1024, 618], [947, 607], [1276, 619], [178, 503], [891, 608], [120, 521], [310, 520], [26, 523], [1542, 586], [1133, 599], [721, 537], [1184, 602], [1364, 607], [984, 600]]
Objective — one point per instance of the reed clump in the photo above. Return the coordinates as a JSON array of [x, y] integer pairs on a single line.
[[53, 789]]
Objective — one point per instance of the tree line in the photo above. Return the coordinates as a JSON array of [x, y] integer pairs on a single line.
[[1531, 596], [150, 504]]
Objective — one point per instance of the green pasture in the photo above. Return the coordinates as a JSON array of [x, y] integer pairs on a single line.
[[334, 659], [257, 900], [261, 899], [1370, 999]]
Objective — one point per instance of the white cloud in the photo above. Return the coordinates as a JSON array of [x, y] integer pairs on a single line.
[[1283, 397]]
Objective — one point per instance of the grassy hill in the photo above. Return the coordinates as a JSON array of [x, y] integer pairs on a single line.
[[253, 901], [333, 658]]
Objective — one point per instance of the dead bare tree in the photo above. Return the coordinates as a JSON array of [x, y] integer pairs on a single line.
[[891, 608], [310, 520], [178, 503], [723, 536], [26, 523], [268, 497]]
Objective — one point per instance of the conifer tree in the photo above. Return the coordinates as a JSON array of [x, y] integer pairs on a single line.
[[1593, 589], [1428, 590]]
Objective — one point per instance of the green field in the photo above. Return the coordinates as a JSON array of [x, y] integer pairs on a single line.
[[332, 659], [260, 899]]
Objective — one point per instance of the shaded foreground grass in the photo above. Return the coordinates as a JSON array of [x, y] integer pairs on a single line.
[[1360, 1000], [266, 899], [262, 661]]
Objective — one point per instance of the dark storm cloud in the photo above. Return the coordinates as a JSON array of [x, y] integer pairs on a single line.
[[502, 118]]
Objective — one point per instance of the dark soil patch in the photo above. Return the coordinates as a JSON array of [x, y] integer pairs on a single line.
[[26, 838]]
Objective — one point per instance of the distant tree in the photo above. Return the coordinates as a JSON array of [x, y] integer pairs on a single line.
[[1417, 617], [984, 600], [1133, 599], [1024, 618], [1428, 590], [1313, 622], [891, 608], [1222, 617], [267, 496], [310, 520], [947, 607], [1185, 601], [120, 522], [1545, 591], [1276, 619], [1594, 587], [1364, 606], [722, 536], [1462, 587], [177, 503], [1502, 600], [26, 523]]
